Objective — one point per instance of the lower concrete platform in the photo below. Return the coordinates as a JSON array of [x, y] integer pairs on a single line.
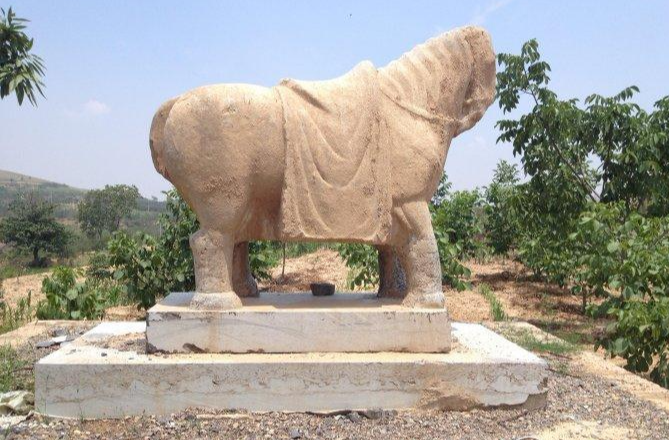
[[297, 323], [107, 373]]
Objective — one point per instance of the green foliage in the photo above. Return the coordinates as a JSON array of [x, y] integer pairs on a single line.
[[526, 339], [30, 225], [103, 209], [12, 318], [453, 272], [140, 267], [460, 218], [594, 213], [15, 372], [21, 71], [149, 267], [623, 256], [496, 308], [502, 222], [363, 263], [263, 255], [67, 299]]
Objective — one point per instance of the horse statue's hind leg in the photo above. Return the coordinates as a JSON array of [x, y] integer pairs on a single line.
[[392, 280], [242, 279], [213, 258], [419, 257]]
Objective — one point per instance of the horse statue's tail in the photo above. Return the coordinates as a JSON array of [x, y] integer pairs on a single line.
[[156, 137]]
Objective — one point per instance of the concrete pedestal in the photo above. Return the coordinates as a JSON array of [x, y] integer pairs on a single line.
[[298, 323], [105, 373]]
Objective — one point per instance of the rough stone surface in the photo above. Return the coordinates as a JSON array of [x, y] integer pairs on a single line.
[[298, 323], [354, 159], [86, 380]]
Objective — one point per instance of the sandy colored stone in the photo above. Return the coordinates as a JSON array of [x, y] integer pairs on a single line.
[[298, 323], [85, 380], [353, 159]]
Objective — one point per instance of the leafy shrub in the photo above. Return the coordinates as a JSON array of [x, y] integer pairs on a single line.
[[460, 218], [67, 299], [453, 272], [263, 255], [149, 267], [501, 221], [624, 257], [362, 261]]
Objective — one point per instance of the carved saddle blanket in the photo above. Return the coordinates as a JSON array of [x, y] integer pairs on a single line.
[[336, 184]]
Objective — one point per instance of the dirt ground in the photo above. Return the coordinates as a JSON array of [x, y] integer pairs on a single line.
[[21, 287], [324, 265], [582, 403], [588, 397]]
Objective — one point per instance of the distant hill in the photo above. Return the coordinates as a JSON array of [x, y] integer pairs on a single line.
[[67, 197]]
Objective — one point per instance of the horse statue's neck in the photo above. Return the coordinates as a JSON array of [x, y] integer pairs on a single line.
[[434, 80]]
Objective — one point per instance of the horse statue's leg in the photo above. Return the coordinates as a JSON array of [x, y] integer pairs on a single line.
[[212, 255], [392, 281], [242, 279], [420, 259]]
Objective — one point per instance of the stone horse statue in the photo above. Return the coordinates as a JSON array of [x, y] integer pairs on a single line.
[[354, 159]]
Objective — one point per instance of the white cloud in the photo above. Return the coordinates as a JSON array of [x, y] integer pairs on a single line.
[[95, 107], [482, 13]]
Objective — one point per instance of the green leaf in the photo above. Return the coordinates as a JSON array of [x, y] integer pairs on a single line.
[[613, 246]]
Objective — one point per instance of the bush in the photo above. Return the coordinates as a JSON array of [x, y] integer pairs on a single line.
[[460, 217], [363, 263], [453, 272], [501, 220], [67, 299], [149, 267], [624, 257]]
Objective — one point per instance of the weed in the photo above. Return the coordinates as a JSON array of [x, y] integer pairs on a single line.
[[526, 339], [15, 372], [12, 318], [496, 309]]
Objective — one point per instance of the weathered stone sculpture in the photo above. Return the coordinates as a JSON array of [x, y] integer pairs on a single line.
[[354, 159]]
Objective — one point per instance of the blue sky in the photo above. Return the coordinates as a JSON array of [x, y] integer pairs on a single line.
[[111, 64]]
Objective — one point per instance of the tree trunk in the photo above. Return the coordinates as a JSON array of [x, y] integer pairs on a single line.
[[35, 262], [283, 267]]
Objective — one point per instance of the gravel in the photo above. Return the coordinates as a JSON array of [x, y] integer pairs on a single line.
[[572, 400]]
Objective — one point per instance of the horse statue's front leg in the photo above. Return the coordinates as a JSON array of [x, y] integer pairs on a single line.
[[419, 256]]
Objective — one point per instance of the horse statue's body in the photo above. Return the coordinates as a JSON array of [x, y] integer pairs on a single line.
[[357, 159]]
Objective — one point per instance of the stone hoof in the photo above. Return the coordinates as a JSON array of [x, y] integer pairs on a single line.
[[215, 301], [248, 289], [425, 300]]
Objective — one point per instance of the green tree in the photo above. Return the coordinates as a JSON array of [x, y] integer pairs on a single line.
[[103, 209], [501, 222], [21, 71], [30, 225]]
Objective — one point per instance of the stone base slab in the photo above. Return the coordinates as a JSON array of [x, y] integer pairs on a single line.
[[106, 374], [297, 323]]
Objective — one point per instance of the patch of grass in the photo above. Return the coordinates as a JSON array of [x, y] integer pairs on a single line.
[[13, 271], [15, 372], [496, 308], [13, 318], [526, 339]]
